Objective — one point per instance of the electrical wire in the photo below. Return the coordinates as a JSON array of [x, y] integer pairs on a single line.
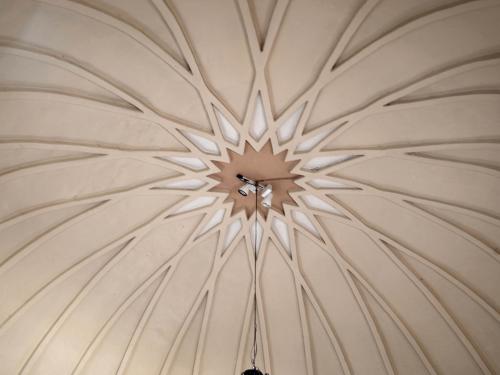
[[281, 178], [254, 346]]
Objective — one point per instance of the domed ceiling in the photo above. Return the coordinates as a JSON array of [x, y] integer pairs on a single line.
[[125, 249]]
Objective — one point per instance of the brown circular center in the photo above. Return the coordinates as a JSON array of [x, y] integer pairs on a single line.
[[263, 166]]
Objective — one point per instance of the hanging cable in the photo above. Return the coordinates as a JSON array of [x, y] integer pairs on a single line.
[[256, 187], [281, 178], [254, 346]]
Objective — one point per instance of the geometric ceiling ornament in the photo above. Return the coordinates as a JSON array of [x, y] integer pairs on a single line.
[[125, 247], [196, 203], [286, 131], [188, 184], [229, 133], [232, 230], [258, 125], [263, 166], [280, 228], [256, 233], [305, 222], [309, 143], [316, 203], [202, 143], [214, 220], [192, 163]]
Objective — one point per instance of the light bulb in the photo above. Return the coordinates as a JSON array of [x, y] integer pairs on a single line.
[[266, 191], [268, 200], [245, 189]]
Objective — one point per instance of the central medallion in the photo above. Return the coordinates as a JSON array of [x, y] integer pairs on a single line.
[[263, 166]]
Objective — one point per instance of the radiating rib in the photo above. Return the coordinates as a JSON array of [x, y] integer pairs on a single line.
[[340, 261], [260, 57], [274, 27], [50, 144], [125, 28], [381, 346], [21, 92], [411, 147], [396, 320], [141, 324], [47, 166], [221, 257], [50, 285], [125, 238], [354, 272], [451, 163], [53, 58], [376, 236], [19, 254], [250, 32], [300, 296], [153, 157], [444, 314], [250, 307], [273, 30], [78, 101], [337, 346], [306, 337], [208, 306], [131, 298], [403, 153], [169, 267], [138, 235], [310, 95], [348, 220], [447, 276], [365, 189], [439, 270], [137, 35], [47, 337], [219, 261], [414, 24], [46, 288], [387, 102], [259, 84], [88, 198], [207, 96], [407, 200]]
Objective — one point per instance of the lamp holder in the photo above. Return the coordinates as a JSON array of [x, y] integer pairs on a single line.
[[246, 180]]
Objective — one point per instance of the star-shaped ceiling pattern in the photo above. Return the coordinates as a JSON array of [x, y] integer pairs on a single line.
[[264, 167], [119, 256]]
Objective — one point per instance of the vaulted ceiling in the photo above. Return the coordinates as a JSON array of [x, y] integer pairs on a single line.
[[120, 253]]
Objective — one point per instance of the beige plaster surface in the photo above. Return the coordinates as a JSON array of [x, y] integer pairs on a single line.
[[119, 254]]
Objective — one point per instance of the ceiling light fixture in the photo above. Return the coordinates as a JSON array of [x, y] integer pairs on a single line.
[[252, 372], [253, 187]]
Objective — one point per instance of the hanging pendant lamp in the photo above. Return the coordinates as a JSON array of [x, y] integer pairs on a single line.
[[254, 370]]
